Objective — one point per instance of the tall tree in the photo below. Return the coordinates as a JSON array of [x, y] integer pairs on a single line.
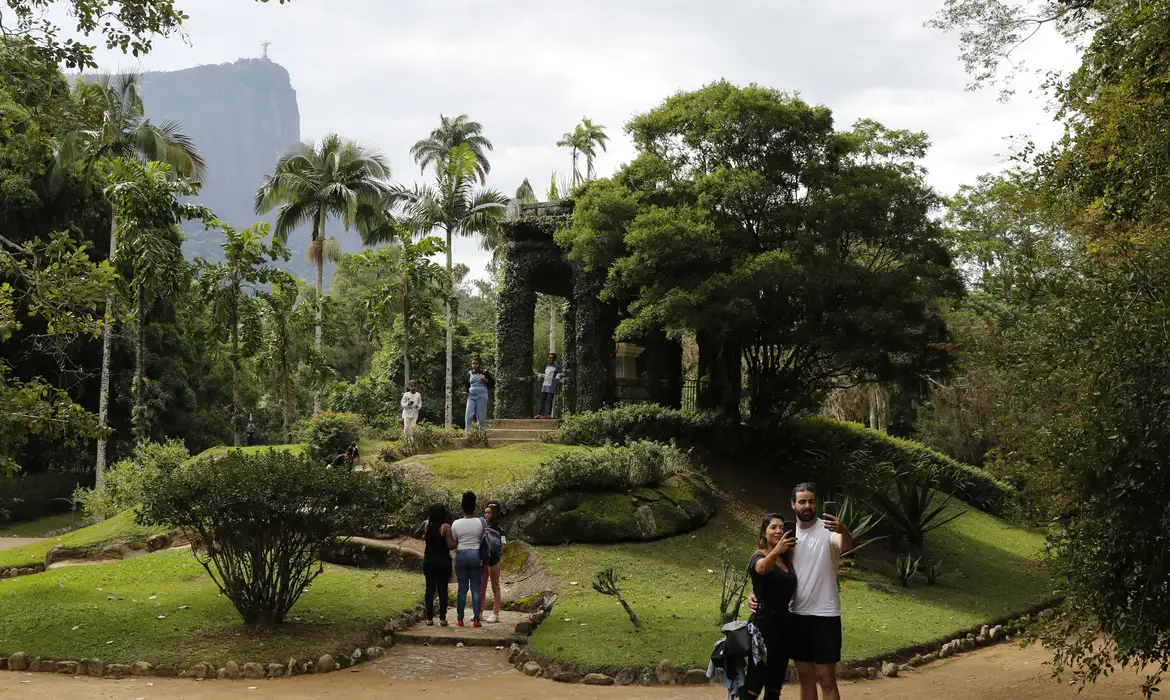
[[525, 193], [414, 286], [120, 130], [592, 136], [454, 205], [230, 290], [288, 314], [450, 133], [574, 141], [336, 178]]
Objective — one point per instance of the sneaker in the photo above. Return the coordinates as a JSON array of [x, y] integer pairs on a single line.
[[492, 618], [459, 623], [442, 623], [476, 624]]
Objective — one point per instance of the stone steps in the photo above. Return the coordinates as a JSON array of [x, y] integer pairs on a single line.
[[519, 430], [494, 634]]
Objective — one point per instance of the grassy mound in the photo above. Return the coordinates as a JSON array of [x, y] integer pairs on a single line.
[[121, 527], [41, 526], [996, 571], [67, 614], [486, 470]]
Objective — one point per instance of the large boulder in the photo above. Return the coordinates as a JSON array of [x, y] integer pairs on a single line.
[[681, 504], [367, 553]]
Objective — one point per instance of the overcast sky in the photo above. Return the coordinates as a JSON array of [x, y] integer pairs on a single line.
[[382, 71]]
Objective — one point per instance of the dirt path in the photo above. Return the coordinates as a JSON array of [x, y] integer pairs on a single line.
[[1000, 673], [14, 542]]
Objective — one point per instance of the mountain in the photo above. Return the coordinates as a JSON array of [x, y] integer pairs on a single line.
[[243, 117]]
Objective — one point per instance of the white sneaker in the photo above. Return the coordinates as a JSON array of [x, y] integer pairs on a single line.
[[493, 618]]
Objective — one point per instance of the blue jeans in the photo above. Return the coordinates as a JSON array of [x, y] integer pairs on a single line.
[[477, 401], [467, 572]]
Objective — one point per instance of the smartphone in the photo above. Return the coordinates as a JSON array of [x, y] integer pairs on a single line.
[[790, 528], [831, 508]]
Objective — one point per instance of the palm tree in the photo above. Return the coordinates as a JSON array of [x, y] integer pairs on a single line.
[[122, 130], [287, 315], [525, 193], [229, 288], [591, 136], [449, 134], [574, 140], [337, 178], [452, 205]]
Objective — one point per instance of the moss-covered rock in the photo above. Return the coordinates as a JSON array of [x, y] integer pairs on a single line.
[[684, 502]]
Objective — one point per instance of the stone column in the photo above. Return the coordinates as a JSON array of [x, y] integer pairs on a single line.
[[569, 363], [516, 313], [595, 324]]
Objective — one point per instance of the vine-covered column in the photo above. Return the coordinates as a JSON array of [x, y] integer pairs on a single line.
[[516, 309], [569, 359], [595, 324]]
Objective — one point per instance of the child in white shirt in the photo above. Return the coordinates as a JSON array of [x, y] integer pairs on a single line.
[[411, 403]]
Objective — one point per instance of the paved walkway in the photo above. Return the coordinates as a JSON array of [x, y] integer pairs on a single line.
[[1003, 672], [14, 542]]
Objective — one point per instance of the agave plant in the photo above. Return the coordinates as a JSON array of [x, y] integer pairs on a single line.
[[835, 469], [914, 506], [904, 569], [933, 571], [861, 523]]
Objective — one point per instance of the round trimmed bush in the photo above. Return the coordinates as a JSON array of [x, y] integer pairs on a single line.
[[328, 433]]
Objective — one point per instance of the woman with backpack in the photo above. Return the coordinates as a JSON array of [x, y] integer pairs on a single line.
[[494, 541], [436, 534], [468, 543]]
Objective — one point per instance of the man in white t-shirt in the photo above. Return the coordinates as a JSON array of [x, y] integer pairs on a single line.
[[816, 604]]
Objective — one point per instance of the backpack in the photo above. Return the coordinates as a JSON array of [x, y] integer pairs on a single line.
[[491, 547]]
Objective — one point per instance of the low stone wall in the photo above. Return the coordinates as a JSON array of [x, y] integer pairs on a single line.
[[114, 551]]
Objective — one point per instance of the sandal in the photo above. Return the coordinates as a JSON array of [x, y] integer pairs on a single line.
[[442, 623]]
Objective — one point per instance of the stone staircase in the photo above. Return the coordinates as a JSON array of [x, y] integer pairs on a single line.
[[512, 431]]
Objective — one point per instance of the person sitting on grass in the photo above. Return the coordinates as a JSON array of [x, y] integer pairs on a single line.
[[436, 564], [468, 538], [348, 458], [494, 550]]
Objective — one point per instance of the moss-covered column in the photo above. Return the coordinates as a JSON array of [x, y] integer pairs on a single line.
[[664, 369], [569, 359], [595, 324], [516, 309]]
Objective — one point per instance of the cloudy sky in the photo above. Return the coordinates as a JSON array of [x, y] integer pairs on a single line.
[[382, 71]]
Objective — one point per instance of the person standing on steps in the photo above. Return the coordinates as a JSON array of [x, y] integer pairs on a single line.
[[436, 535], [480, 384], [816, 604], [411, 404], [773, 583], [548, 388], [468, 539], [494, 543]]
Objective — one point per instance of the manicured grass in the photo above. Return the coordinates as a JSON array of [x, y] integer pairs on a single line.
[[67, 613], [118, 528], [996, 572], [482, 470], [39, 527], [368, 449]]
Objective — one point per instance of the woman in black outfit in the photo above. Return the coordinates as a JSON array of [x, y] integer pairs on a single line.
[[436, 533], [773, 582]]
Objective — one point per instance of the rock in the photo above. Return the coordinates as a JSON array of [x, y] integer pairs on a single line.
[[933, 656], [524, 627], [142, 668], [996, 633], [292, 668], [459, 645], [3, 663], [253, 670], [648, 677], [903, 668], [157, 542], [696, 676], [982, 639], [222, 674], [597, 679], [969, 644], [275, 670], [945, 651], [890, 670], [115, 551], [567, 676], [624, 677], [356, 655], [344, 661], [59, 553], [373, 652], [984, 631], [46, 666], [199, 671], [68, 668], [871, 672], [325, 664], [971, 636], [18, 661], [513, 653], [915, 660], [117, 670], [310, 667], [667, 673], [532, 669], [1048, 615], [232, 669]]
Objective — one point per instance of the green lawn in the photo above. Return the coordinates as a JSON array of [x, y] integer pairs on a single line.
[[67, 614], [482, 470], [996, 566], [368, 449], [39, 527], [119, 527]]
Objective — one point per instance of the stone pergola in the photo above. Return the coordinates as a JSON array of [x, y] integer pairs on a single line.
[[598, 371]]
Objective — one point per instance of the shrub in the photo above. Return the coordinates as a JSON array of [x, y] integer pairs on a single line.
[[800, 438], [412, 494], [914, 506], [634, 422], [933, 571], [262, 520], [425, 438], [862, 525], [608, 468], [903, 569], [328, 434], [125, 481], [30, 496]]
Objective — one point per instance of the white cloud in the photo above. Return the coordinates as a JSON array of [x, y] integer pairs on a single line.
[[382, 72]]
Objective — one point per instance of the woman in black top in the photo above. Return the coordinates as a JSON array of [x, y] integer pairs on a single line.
[[773, 582], [436, 534]]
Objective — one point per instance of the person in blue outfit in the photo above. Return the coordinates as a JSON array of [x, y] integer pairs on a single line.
[[480, 383]]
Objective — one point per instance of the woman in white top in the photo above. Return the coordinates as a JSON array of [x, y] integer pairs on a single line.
[[411, 403], [468, 533]]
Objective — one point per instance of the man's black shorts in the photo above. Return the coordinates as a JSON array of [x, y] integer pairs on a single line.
[[816, 639]]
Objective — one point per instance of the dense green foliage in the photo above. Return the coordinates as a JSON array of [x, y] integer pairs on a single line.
[[329, 434], [126, 481], [262, 520]]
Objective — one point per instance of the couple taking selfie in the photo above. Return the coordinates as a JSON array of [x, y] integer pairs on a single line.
[[795, 601]]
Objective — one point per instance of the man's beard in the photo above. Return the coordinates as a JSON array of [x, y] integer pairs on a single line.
[[807, 516]]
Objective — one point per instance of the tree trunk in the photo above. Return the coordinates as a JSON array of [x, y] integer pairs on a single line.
[[449, 379], [552, 324], [285, 398], [99, 466], [405, 330], [138, 417], [235, 376], [320, 297]]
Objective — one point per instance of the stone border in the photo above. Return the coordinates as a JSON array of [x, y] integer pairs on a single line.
[[115, 551], [889, 664], [98, 668]]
